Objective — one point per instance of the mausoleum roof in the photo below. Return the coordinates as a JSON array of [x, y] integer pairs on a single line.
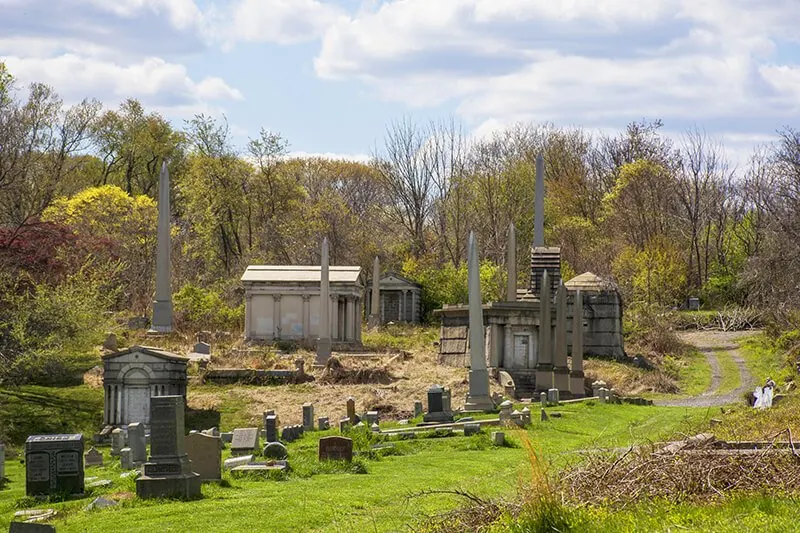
[[149, 350], [300, 274], [393, 278], [590, 282]]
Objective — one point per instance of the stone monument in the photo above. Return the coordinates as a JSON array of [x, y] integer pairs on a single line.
[[205, 454], [478, 398], [438, 411], [544, 365], [245, 441], [576, 383], [560, 367], [137, 442], [324, 345], [308, 416], [335, 449], [375, 316], [54, 464], [162, 306], [168, 473], [511, 264]]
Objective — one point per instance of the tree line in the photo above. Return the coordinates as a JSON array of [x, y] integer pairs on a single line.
[[664, 218]]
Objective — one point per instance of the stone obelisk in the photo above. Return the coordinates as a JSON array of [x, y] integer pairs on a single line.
[[375, 305], [478, 398], [162, 306], [576, 381], [538, 205], [560, 365], [544, 363], [324, 340], [511, 264]]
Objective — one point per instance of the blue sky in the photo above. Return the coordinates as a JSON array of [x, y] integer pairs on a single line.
[[330, 75]]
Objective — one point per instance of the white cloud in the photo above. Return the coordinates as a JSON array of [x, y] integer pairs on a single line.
[[358, 158], [153, 80], [594, 63], [270, 21]]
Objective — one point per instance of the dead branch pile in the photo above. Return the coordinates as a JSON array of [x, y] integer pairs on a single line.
[[696, 469], [335, 373]]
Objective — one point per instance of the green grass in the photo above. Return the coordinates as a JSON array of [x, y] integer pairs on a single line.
[[32, 410], [322, 498], [763, 358], [693, 372], [730, 378]]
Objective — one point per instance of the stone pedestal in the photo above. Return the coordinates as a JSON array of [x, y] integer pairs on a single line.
[[544, 377], [576, 385], [478, 398], [561, 379], [168, 473]]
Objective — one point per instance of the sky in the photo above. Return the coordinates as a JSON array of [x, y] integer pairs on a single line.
[[329, 76]]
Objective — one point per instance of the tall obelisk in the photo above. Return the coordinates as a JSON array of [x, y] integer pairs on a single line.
[[478, 398], [544, 363], [162, 306], [577, 386], [511, 264], [375, 305], [560, 366], [324, 341], [538, 204]]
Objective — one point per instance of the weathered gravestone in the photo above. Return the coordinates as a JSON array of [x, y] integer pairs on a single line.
[[205, 453], [93, 457], [323, 423], [245, 441], [117, 442], [168, 473], [498, 438], [344, 425], [505, 412], [54, 464], [126, 459], [202, 348], [137, 442], [371, 418], [471, 429], [275, 450], [418, 408], [335, 449], [271, 427], [308, 416], [233, 462], [351, 409], [31, 527]]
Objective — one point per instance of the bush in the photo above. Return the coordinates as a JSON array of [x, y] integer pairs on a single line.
[[48, 333], [200, 309]]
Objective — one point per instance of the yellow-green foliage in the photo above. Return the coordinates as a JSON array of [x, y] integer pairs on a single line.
[[655, 275]]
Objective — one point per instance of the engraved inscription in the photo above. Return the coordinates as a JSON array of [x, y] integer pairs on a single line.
[[67, 463], [38, 466]]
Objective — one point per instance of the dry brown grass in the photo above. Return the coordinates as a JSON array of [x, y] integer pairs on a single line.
[[628, 380], [410, 377]]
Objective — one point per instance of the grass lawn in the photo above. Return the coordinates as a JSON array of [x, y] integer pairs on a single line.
[[382, 499], [730, 378]]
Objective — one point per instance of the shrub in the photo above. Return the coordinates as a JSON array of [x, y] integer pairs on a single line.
[[200, 308]]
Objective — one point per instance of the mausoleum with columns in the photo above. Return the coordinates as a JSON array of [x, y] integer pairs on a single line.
[[282, 302], [131, 377]]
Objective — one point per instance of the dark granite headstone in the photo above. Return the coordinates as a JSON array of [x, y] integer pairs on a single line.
[[335, 449], [168, 473], [271, 427], [54, 464]]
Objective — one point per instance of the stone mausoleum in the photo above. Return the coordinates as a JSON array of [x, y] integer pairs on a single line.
[[282, 302], [400, 300], [515, 339], [131, 377]]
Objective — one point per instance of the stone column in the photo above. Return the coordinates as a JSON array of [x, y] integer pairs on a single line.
[[276, 316], [478, 398], [560, 365], [511, 264], [106, 406], [248, 316], [507, 359], [414, 307], [577, 387], [324, 340], [538, 206], [349, 319], [375, 304], [401, 310], [359, 313], [119, 404], [162, 306], [306, 317], [335, 330], [544, 364]]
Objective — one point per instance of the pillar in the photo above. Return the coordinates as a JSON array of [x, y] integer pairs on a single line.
[[349, 319], [162, 306], [276, 316], [478, 397], [560, 366], [544, 364], [248, 315], [119, 404], [324, 340], [577, 387], [306, 317], [106, 404], [507, 359], [334, 303]]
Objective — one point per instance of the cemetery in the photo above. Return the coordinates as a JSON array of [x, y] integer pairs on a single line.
[[540, 330]]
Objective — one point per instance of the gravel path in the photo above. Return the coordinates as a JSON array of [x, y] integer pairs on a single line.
[[709, 343]]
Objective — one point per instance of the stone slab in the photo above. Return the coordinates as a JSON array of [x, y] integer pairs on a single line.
[[245, 441], [205, 453], [336, 448]]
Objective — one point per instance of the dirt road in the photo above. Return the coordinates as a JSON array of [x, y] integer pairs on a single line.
[[709, 343]]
